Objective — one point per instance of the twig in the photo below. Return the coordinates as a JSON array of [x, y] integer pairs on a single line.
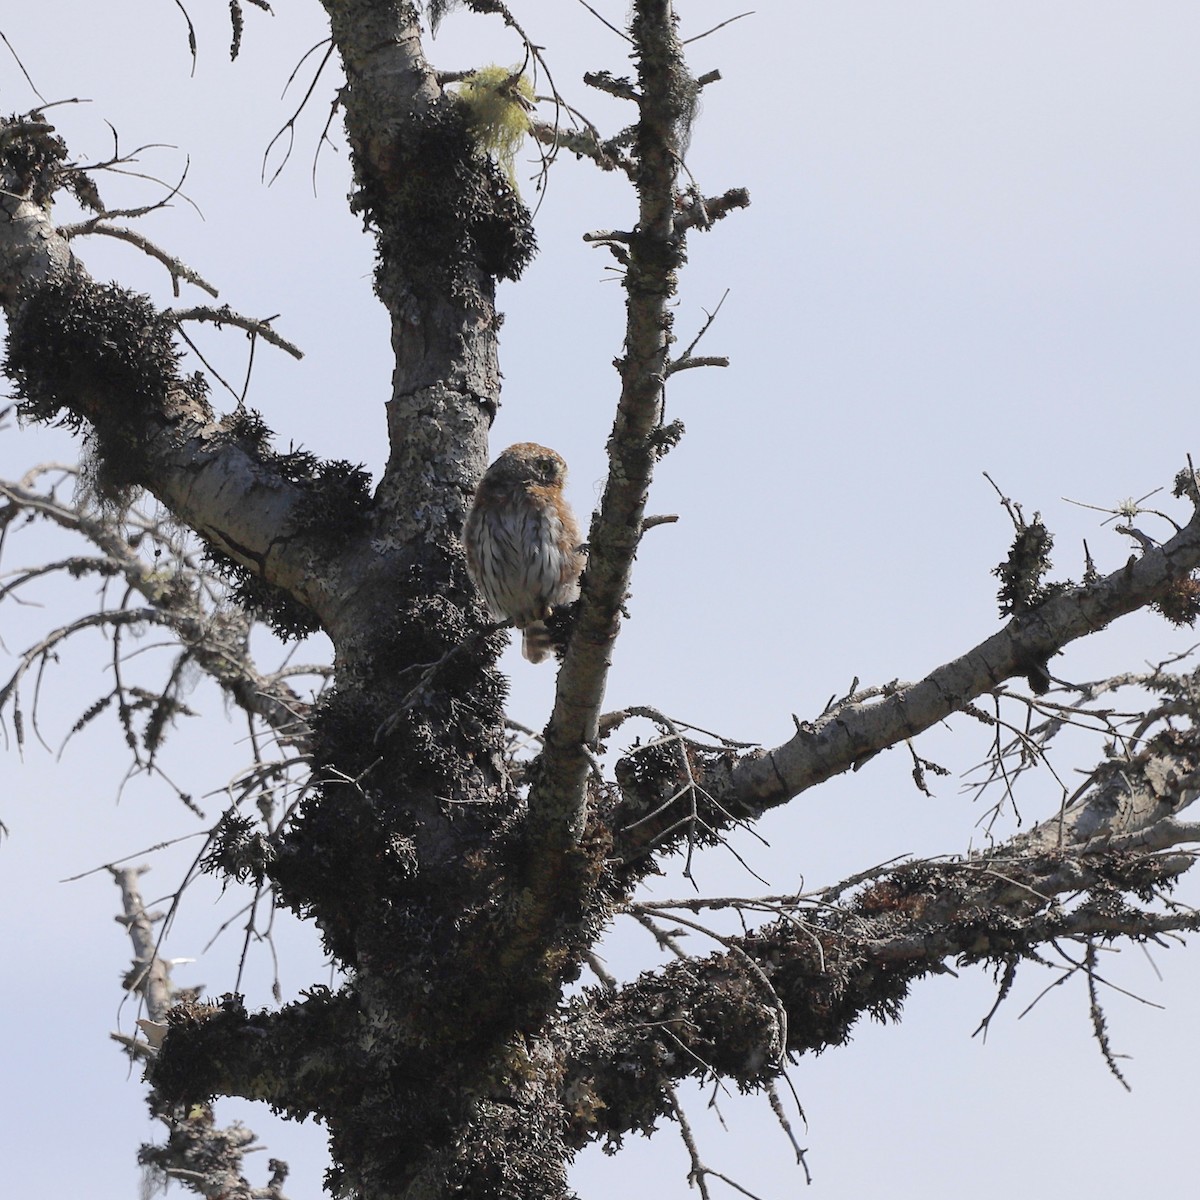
[[607, 24], [730, 21], [177, 268], [21, 66], [226, 316], [685, 360], [289, 126]]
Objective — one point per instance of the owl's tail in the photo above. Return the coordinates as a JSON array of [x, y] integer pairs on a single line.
[[535, 641]]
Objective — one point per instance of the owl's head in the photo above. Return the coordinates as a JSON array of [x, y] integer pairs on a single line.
[[528, 463]]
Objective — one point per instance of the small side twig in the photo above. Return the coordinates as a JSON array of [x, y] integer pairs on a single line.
[[226, 316], [177, 268]]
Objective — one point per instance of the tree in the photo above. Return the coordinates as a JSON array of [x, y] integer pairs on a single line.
[[461, 889]]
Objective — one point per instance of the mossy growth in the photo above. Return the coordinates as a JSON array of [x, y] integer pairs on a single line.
[[238, 850], [335, 500], [37, 159], [499, 100], [74, 342], [284, 615], [418, 696], [444, 212], [1180, 601], [663, 439], [1186, 484], [334, 506], [100, 360], [1021, 574]]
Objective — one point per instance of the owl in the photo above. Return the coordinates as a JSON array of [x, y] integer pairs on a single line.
[[522, 542]]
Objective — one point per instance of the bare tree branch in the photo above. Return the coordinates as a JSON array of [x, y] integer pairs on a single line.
[[851, 732], [216, 638], [203, 1157], [164, 434], [1070, 878]]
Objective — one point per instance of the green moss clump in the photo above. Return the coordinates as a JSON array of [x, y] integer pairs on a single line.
[[499, 100]]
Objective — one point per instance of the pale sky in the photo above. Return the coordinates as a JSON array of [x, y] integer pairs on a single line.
[[973, 245]]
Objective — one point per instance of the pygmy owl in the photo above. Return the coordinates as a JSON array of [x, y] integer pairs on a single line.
[[522, 542]]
